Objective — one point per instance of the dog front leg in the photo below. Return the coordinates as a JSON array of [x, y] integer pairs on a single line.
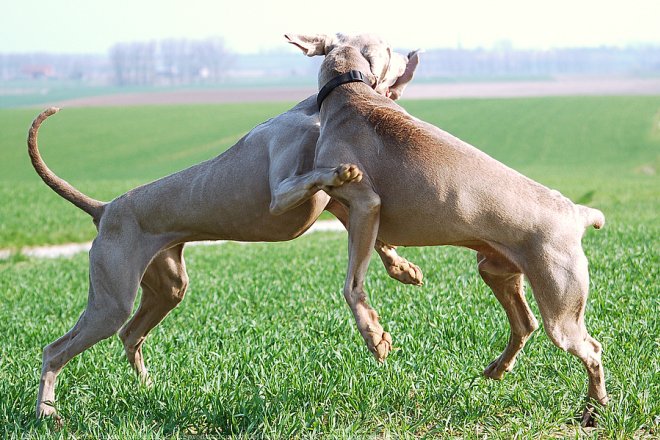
[[362, 230], [507, 283], [295, 190], [397, 267]]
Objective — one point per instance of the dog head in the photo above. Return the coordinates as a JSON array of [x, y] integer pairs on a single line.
[[389, 72]]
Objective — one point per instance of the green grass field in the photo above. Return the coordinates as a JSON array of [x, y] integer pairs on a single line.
[[264, 346], [598, 148]]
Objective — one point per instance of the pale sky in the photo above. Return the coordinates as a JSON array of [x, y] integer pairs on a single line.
[[89, 26]]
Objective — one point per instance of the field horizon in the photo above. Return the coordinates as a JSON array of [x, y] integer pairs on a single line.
[[73, 96]]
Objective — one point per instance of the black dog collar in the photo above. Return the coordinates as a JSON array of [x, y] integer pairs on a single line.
[[348, 77]]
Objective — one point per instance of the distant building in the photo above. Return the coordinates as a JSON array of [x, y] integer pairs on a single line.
[[36, 71]]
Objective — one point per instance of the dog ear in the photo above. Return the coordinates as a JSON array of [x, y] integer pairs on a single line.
[[379, 62], [311, 45], [397, 88]]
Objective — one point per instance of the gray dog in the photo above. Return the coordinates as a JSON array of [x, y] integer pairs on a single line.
[[416, 185], [141, 234]]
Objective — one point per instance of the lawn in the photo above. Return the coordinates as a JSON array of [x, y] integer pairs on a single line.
[[264, 346]]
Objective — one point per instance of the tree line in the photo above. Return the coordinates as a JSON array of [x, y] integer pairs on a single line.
[[182, 62], [170, 62]]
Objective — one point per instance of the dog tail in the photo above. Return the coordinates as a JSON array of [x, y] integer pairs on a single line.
[[592, 217], [91, 206]]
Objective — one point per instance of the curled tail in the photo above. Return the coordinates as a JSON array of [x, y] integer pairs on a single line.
[[91, 206], [592, 217]]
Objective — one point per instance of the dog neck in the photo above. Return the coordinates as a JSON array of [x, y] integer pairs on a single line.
[[340, 62], [348, 77]]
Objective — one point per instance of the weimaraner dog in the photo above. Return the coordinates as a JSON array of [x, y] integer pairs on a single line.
[[417, 185], [141, 234]]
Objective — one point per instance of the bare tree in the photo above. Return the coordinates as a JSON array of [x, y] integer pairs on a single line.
[[170, 62]]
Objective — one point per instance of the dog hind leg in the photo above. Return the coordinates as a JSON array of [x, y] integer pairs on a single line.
[[115, 273], [164, 285], [561, 293]]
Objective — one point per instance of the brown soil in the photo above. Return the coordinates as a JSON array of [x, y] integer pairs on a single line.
[[560, 87]]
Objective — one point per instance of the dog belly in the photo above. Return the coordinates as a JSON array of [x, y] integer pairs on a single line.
[[454, 218], [412, 230], [253, 222], [283, 227]]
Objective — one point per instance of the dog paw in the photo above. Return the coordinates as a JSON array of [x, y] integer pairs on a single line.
[[47, 411], [145, 380], [406, 272], [590, 414], [346, 173], [588, 419], [496, 370], [382, 345]]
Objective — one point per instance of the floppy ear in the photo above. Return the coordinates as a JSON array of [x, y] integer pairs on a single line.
[[310, 45], [378, 63], [397, 88]]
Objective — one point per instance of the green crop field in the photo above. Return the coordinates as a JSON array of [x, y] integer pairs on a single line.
[[264, 346]]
